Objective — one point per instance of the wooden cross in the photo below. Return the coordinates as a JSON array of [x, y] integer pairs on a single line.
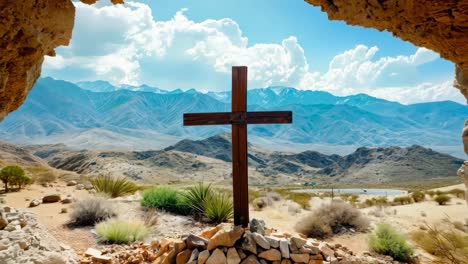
[[239, 118]]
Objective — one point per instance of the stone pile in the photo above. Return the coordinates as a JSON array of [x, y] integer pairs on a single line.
[[23, 240], [225, 244]]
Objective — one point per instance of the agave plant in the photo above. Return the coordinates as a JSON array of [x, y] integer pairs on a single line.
[[113, 186], [196, 197], [218, 207]]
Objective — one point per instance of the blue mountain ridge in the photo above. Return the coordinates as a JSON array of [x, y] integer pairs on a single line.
[[56, 107]]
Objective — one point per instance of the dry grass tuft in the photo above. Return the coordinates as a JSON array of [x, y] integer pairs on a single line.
[[330, 219]]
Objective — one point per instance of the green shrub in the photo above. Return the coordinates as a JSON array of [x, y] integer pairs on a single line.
[[122, 232], [218, 207], [167, 199], [442, 199], [10, 174], [113, 186], [92, 210], [196, 197], [330, 219], [459, 193], [402, 200], [385, 240], [448, 246], [418, 196]]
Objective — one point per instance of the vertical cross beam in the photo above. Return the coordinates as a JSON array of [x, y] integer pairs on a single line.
[[239, 148]]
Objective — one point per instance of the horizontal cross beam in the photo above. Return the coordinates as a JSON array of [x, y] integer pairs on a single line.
[[230, 118]]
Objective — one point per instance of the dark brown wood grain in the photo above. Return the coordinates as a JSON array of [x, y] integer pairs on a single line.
[[238, 119]]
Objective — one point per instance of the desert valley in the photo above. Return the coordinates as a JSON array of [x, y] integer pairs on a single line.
[[124, 141]]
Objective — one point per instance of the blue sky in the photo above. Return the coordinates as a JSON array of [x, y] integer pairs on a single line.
[[192, 44]]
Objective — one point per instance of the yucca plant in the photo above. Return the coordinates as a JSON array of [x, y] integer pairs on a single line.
[[218, 207], [113, 186], [196, 197], [119, 231]]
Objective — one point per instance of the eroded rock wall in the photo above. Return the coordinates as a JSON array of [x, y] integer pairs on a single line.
[[29, 30]]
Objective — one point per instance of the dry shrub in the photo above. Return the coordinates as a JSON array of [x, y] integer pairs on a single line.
[[442, 199], [113, 186], [261, 203], [459, 226], [41, 174], [418, 196], [402, 200], [330, 219], [92, 210], [448, 246]]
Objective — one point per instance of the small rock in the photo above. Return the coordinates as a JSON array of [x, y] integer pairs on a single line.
[[217, 257], [197, 242], [194, 255], [3, 222], [298, 242], [261, 240], [252, 259], [64, 211], [274, 242], [284, 248], [326, 249], [67, 200], [285, 261], [232, 256], [101, 259], [52, 198], [257, 226], [271, 255], [225, 238], [72, 183], [249, 243], [80, 186], [203, 256], [183, 256], [92, 252], [300, 258]]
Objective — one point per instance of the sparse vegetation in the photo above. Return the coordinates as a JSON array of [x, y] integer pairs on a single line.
[[442, 199], [330, 219], [418, 196], [387, 241], [92, 210], [402, 200], [119, 231], [218, 207], [113, 186], [449, 246], [196, 197], [301, 198], [167, 199], [41, 174], [14, 175], [459, 193]]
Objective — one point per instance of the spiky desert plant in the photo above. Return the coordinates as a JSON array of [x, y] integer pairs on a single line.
[[218, 207], [119, 231], [113, 186], [196, 197], [387, 241]]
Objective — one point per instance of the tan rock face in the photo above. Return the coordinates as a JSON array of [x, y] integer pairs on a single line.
[[440, 25], [30, 30]]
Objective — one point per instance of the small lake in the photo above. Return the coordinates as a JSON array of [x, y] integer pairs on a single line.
[[379, 192]]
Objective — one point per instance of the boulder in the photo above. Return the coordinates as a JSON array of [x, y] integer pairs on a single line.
[[183, 256], [217, 257], [225, 238], [271, 255], [51, 198]]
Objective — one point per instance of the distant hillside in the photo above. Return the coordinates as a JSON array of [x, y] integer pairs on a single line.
[[209, 160], [144, 117]]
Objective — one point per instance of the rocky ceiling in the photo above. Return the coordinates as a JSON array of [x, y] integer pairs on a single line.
[[31, 29]]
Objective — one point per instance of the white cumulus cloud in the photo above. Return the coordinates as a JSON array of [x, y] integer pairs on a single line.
[[125, 44]]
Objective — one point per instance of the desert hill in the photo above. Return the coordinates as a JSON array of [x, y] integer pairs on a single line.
[[209, 160]]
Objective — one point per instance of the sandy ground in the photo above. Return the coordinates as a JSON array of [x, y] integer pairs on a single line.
[[49, 214]]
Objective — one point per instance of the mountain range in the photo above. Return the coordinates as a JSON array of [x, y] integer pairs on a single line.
[[209, 160], [98, 115]]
